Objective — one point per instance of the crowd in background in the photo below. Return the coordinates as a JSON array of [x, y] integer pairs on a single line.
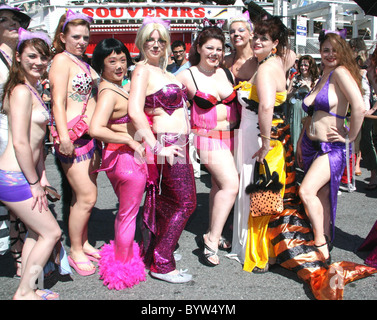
[[136, 126]]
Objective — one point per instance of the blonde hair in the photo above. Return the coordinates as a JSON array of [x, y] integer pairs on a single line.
[[144, 33], [247, 23]]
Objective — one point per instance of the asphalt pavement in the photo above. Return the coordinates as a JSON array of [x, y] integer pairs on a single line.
[[225, 285]]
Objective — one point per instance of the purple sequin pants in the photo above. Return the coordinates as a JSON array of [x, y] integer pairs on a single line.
[[167, 210]]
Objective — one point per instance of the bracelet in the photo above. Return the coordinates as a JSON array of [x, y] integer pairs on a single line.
[[34, 183], [263, 136], [157, 148]]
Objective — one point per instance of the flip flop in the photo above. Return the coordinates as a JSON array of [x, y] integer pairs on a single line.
[[91, 256], [47, 293], [81, 272]]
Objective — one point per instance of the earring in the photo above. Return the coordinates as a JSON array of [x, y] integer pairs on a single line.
[[274, 50]]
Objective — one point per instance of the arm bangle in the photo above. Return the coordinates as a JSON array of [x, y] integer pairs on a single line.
[[32, 184], [263, 136]]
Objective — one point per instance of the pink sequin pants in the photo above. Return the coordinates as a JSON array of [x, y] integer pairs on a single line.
[[121, 265]]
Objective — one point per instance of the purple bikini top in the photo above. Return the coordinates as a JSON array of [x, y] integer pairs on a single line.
[[169, 98], [321, 101]]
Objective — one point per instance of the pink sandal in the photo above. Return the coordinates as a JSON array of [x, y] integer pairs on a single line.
[[81, 272], [91, 256]]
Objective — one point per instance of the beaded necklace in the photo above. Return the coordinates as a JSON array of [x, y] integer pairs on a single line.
[[271, 55]]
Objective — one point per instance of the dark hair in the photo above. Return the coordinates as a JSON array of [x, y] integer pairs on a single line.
[[276, 29], [178, 43], [206, 34], [104, 48], [358, 44], [313, 68]]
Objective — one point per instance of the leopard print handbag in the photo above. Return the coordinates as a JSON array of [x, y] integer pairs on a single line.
[[264, 191]]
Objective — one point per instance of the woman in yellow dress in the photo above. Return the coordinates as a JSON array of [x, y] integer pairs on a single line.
[[261, 115]]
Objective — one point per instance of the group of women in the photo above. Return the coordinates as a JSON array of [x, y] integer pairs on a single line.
[[143, 123]]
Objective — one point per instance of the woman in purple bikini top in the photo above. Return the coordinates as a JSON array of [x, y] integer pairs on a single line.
[[321, 101]]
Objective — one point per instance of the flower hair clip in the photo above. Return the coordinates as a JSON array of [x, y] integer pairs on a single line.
[[24, 35], [73, 16], [149, 19], [207, 23]]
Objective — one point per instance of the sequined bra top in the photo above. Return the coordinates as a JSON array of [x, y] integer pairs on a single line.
[[170, 97], [82, 83]]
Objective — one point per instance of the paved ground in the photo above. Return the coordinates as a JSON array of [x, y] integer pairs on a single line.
[[356, 214]]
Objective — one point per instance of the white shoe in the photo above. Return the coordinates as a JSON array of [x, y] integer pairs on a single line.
[[177, 256], [180, 277]]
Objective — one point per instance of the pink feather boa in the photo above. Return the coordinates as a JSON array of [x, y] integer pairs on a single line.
[[117, 275]]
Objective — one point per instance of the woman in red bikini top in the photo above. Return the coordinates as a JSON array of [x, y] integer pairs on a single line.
[[73, 92], [214, 115]]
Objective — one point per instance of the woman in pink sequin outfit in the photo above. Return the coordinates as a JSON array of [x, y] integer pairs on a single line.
[[120, 265], [158, 109]]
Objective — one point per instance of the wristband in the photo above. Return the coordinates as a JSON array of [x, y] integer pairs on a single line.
[[34, 183]]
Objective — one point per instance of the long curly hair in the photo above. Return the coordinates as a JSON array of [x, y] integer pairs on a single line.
[[344, 55], [313, 68]]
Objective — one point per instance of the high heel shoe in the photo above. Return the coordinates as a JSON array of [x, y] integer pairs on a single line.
[[327, 260], [209, 254]]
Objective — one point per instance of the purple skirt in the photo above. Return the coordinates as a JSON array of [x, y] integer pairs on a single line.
[[336, 152]]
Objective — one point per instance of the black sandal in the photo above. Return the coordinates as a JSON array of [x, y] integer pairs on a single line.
[[206, 256], [264, 270], [224, 244], [328, 260]]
